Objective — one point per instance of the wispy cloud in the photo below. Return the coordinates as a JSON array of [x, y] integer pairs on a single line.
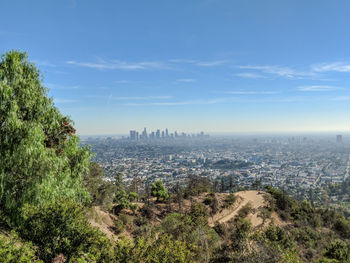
[[225, 100], [131, 98], [281, 71], [243, 92], [210, 63], [200, 63], [189, 102], [249, 75], [335, 66], [181, 60], [121, 65], [186, 80], [43, 63], [167, 103], [318, 88]]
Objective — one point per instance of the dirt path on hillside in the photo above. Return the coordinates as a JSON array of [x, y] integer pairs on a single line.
[[255, 198]]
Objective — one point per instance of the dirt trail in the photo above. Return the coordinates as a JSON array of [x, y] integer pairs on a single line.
[[255, 198]]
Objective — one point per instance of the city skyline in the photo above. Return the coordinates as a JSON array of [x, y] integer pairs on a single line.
[[162, 134], [212, 66]]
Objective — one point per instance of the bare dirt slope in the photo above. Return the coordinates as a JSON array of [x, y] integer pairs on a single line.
[[256, 201], [103, 220]]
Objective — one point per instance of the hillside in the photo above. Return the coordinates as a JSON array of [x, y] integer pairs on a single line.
[[270, 232]]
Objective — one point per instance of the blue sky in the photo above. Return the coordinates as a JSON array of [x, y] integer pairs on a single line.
[[189, 65]]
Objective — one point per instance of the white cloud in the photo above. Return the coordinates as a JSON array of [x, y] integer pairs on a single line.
[[123, 65], [180, 60], [186, 80], [252, 92], [336, 66], [278, 70], [317, 88], [210, 63], [131, 98], [43, 63], [174, 103], [180, 103], [249, 75]]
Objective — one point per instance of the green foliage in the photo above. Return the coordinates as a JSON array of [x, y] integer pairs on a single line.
[[343, 227], [338, 250], [279, 237], [245, 210], [62, 227], [162, 250], [40, 157], [213, 203], [264, 214], [124, 200], [307, 236], [240, 234], [230, 200], [147, 211], [198, 214], [158, 190], [176, 225], [190, 230], [14, 250], [119, 226], [196, 185], [101, 192]]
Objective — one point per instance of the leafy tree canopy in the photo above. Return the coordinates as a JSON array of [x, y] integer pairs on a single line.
[[158, 190], [40, 159]]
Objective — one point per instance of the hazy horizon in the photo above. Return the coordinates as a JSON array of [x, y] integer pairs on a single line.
[[213, 66]]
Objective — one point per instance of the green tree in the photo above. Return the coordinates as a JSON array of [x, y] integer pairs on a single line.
[[158, 190], [101, 192], [123, 200], [40, 157]]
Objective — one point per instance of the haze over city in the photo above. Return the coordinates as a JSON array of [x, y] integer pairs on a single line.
[[212, 66]]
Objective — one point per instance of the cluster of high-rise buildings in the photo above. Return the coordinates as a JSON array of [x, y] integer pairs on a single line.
[[158, 134], [339, 138]]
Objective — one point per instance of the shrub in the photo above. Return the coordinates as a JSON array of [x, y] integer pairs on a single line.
[[62, 227], [119, 226], [279, 237], [14, 250], [147, 211], [230, 199], [208, 200], [338, 250], [343, 227], [162, 250], [245, 210]]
